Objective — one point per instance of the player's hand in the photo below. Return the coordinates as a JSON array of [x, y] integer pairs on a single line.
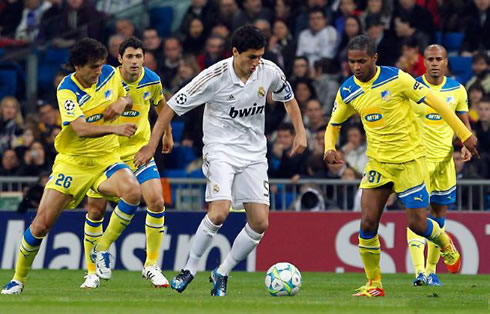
[[114, 110], [299, 145], [126, 129], [471, 144], [167, 143], [465, 154], [332, 157], [144, 155]]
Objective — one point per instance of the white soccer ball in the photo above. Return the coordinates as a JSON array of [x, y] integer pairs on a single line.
[[283, 279]]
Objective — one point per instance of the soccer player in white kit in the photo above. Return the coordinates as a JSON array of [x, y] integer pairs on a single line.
[[234, 92]]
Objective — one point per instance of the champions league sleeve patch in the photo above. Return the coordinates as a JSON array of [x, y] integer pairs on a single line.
[[69, 105], [181, 99]]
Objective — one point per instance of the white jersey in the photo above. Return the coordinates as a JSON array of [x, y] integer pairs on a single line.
[[234, 116]]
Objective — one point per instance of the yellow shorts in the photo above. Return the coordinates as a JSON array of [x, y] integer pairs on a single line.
[[76, 175], [410, 180], [442, 181]]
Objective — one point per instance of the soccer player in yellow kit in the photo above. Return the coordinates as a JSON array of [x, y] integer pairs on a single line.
[[90, 99], [382, 96], [437, 138], [145, 89]]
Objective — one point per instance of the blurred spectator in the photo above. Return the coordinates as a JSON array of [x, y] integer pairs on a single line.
[[351, 29], [265, 27], [223, 31], [126, 28], [411, 60], [284, 11], [150, 61], [10, 163], [418, 17], [10, 16], [172, 53], [49, 118], [283, 45], [274, 115], [301, 69], [310, 199], [25, 141], [152, 42], [404, 29], [35, 161], [33, 194], [477, 28], [28, 28], [252, 10], [303, 19], [346, 8], [228, 13], [325, 80], [214, 52], [204, 10], [384, 39], [380, 8], [320, 40], [11, 122], [480, 66], [113, 45], [451, 15], [50, 94], [355, 149], [303, 91], [195, 38], [115, 6], [347, 195], [49, 148], [188, 68], [314, 121], [475, 94], [482, 127]]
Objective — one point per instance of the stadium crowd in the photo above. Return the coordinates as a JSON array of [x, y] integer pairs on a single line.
[[306, 39]]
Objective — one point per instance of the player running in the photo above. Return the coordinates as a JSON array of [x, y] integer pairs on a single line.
[[145, 89], [234, 91], [382, 96], [437, 137], [90, 99]]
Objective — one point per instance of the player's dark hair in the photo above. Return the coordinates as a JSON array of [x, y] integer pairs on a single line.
[[248, 37], [362, 42], [132, 42], [87, 50], [286, 127]]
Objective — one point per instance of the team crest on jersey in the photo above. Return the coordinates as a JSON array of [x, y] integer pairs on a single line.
[[69, 106], [146, 95], [386, 95], [108, 94], [450, 100], [181, 99], [215, 188], [261, 91]]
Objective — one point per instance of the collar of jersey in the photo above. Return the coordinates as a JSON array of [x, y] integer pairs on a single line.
[[236, 79], [434, 86], [135, 82], [371, 81], [74, 79]]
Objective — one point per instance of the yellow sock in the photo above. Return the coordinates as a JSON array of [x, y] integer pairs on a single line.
[[92, 233], [416, 245], [433, 257], [120, 219], [154, 235], [370, 254], [436, 234], [27, 252]]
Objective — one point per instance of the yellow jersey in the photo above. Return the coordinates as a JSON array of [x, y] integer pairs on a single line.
[[75, 101], [384, 104], [145, 92]]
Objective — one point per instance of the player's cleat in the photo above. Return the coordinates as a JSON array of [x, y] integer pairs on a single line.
[[369, 290], [102, 260], [219, 284], [181, 281], [433, 280], [92, 281], [154, 273], [421, 280], [452, 258], [13, 287]]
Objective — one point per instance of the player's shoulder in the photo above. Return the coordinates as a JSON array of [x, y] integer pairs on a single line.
[[68, 84], [267, 65], [210, 76], [386, 75], [108, 72], [69, 89], [149, 78], [420, 79], [451, 85], [349, 90]]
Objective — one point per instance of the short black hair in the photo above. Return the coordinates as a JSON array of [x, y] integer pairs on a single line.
[[362, 42], [286, 126], [248, 37], [87, 50], [317, 10], [485, 98], [132, 42]]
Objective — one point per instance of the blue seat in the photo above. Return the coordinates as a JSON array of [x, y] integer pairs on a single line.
[[452, 41], [50, 62], [177, 130], [8, 83], [174, 173], [198, 174], [460, 68], [161, 19]]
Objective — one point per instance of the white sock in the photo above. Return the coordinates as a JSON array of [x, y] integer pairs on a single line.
[[204, 235], [245, 242]]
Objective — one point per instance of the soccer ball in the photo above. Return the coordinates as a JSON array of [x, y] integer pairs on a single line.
[[283, 279]]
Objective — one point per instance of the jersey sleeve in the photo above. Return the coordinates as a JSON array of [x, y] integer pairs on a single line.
[[462, 105], [281, 89], [157, 93], [412, 89], [195, 93], [341, 111], [68, 105]]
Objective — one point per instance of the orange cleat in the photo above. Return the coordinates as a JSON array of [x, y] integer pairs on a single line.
[[452, 258]]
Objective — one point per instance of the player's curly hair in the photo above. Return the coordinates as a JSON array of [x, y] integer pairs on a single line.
[[132, 42], [248, 37], [87, 50], [362, 42]]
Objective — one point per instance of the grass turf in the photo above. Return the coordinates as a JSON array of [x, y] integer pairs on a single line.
[[57, 291]]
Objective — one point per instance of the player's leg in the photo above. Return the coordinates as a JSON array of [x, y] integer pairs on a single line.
[[416, 246], [52, 204], [438, 214]]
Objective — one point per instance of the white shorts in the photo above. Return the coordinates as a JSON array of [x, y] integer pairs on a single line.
[[238, 182]]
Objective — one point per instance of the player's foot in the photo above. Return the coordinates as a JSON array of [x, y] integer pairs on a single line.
[[181, 281], [154, 273], [452, 258], [13, 287], [433, 280], [102, 260], [369, 290], [92, 281], [421, 280], [219, 284]]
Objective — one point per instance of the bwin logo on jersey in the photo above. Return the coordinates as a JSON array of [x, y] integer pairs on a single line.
[[373, 117], [130, 113], [245, 112], [94, 118], [433, 116]]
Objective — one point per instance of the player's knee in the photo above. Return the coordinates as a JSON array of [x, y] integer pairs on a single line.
[[417, 227], [260, 227], [217, 217], [131, 192], [40, 227], [369, 225], [96, 212], [156, 204]]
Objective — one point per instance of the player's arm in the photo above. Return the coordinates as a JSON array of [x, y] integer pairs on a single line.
[[85, 129], [299, 144], [462, 113], [117, 108]]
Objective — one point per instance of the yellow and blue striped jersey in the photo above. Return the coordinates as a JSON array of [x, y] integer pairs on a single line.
[[384, 104], [75, 101], [437, 135], [145, 92]]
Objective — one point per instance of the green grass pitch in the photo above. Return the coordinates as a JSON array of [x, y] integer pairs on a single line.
[[57, 291]]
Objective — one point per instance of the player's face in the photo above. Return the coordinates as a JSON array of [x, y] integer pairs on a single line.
[[89, 73], [248, 60], [132, 60], [435, 62], [362, 64]]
